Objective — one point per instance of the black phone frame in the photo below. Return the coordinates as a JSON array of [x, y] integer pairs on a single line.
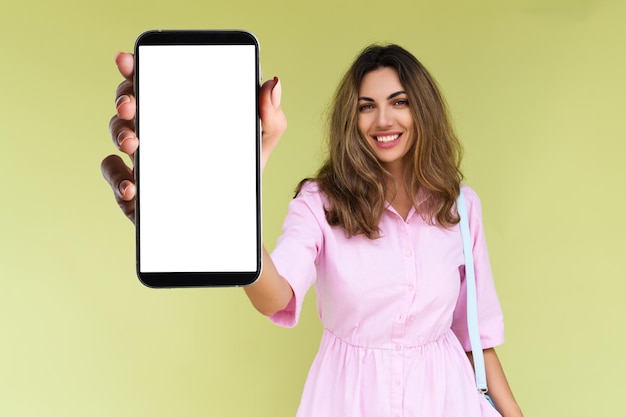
[[209, 278]]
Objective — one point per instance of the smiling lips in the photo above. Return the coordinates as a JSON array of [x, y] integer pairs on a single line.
[[387, 138]]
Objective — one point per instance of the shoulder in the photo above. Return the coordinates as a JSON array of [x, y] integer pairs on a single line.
[[310, 195], [471, 196], [469, 193], [474, 206], [308, 188]]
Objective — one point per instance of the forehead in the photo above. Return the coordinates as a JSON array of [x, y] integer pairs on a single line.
[[380, 83]]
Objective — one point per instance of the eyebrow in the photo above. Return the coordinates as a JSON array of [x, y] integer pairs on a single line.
[[397, 93]]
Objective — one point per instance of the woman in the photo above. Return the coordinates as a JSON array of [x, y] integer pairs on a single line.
[[376, 232]]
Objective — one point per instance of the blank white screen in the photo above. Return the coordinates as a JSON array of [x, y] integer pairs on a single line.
[[197, 166]]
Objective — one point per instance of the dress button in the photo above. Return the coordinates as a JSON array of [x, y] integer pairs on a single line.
[[396, 382], [411, 287], [411, 317], [408, 253], [398, 347]]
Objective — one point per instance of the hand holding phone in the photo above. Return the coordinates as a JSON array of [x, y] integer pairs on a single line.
[[122, 127]]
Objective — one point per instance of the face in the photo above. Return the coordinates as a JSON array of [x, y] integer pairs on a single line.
[[385, 120]]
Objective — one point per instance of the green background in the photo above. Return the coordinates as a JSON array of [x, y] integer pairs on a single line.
[[536, 89]]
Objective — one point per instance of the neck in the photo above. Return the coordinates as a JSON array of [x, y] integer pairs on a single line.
[[397, 194], [396, 169]]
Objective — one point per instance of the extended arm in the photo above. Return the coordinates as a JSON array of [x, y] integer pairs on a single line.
[[271, 292]]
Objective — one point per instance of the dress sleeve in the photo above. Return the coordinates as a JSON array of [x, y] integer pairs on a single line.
[[490, 318], [297, 250]]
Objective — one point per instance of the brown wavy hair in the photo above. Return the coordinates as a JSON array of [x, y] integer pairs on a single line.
[[353, 179]]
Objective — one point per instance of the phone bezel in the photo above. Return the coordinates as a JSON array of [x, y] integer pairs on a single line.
[[208, 278]]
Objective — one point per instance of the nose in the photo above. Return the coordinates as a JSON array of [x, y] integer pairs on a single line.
[[383, 118]]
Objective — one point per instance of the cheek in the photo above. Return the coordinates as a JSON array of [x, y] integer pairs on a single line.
[[409, 125], [407, 120]]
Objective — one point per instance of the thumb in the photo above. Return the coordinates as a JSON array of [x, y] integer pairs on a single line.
[[270, 94], [273, 120], [277, 92]]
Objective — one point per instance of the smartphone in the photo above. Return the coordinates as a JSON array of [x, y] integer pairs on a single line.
[[197, 169]]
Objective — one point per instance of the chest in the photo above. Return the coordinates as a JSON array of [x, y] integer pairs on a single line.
[[410, 259]]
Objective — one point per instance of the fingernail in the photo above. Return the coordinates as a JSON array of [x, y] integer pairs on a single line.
[[121, 100], [122, 187], [276, 92], [117, 55], [121, 137]]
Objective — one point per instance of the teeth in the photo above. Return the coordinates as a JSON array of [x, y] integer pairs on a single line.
[[386, 138]]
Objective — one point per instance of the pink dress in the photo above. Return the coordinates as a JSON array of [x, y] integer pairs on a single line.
[[393, 312]]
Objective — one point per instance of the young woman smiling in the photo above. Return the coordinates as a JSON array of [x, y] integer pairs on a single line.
[[376, 232]]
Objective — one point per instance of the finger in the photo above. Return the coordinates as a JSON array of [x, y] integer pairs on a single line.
[[270, 94], [123, 135], [125, 104], [120, 178], [126, 88], [125, 94], [273, 120], [272, 117], [125, 64]]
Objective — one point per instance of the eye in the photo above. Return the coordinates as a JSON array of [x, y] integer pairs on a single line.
[[365, 107], [401, 102]]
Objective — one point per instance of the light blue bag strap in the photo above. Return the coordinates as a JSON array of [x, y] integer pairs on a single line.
[[472, 309]]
